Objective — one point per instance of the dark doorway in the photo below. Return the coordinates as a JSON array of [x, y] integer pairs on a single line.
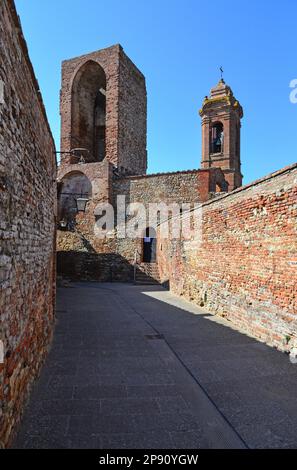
[[150, 246]]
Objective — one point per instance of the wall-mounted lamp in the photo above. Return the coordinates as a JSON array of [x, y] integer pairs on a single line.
[[81, 200], [81, 203]]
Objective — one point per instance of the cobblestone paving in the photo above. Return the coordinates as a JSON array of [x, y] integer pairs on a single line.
[[135, 367]]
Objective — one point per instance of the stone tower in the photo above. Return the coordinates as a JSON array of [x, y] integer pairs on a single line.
[[221, 114], [104, 110]]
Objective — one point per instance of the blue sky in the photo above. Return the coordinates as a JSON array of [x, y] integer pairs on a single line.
[[179, 45]]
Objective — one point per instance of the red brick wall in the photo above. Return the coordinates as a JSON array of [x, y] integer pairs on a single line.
[[27, 224], [246, 267]]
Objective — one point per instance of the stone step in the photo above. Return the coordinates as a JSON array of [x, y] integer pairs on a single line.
[[147, 283], [147, 277], [149, 268], [144, 277]]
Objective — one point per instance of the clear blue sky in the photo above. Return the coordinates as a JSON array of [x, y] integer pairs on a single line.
[[179, 46]]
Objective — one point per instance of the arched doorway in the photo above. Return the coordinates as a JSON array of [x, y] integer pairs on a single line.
[[149, 243], [73, 185]]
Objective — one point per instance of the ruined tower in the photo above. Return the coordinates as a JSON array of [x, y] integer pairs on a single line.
[[103, 110], [221, 114]]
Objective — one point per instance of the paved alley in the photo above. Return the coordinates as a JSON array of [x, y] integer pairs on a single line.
[[136, 367]]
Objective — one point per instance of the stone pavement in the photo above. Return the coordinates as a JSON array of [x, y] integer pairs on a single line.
[[136, 367]]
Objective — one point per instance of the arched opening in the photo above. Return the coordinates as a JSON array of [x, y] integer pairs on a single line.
[[217, 138], [88, 124], [72, 186], [149, 246]]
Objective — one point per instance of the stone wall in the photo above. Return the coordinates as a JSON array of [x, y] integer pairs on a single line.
[[246, 266], [168, 188], [183, 187], [81, 254], [27, 224]]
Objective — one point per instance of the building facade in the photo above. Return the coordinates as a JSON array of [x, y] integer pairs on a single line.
[[243, 267], [104, 158]]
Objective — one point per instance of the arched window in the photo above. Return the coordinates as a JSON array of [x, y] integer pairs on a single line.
[[88, 122], [217, 138]]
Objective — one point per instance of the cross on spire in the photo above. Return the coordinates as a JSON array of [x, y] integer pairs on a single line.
[[222, 71]]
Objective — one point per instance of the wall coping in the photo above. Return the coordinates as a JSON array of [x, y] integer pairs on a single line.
[[152, 175]]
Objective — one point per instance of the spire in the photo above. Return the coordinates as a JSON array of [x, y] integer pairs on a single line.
[[221, 93]]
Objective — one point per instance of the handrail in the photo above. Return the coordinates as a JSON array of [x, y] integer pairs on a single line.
[[135, 265]]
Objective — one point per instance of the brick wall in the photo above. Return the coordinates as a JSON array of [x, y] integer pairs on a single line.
[[168, 188], [81, 254], [27, 224], [132, 117], [246, 267]]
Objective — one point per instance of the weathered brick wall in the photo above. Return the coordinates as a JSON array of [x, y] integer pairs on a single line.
[[81, 254], [246, 267], [184, 187], [125, 109], [27, 224], [168, 188], [132, 117]]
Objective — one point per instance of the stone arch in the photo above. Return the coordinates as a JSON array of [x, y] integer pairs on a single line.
[[71, 186], [88, 113]]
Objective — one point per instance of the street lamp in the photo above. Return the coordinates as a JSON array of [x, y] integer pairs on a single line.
[[81, 203]]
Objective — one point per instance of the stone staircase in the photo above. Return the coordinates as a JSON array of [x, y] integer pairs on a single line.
[[147, 274]]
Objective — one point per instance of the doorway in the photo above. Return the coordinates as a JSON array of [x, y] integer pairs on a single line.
[[150, 246]]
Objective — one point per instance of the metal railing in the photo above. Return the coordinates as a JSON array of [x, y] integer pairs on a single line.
[[137, 255]]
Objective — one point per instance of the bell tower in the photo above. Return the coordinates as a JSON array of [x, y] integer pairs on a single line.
[[221, 114], [103, 107]]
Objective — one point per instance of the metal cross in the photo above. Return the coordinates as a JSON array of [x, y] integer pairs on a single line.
[[222, 71]]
